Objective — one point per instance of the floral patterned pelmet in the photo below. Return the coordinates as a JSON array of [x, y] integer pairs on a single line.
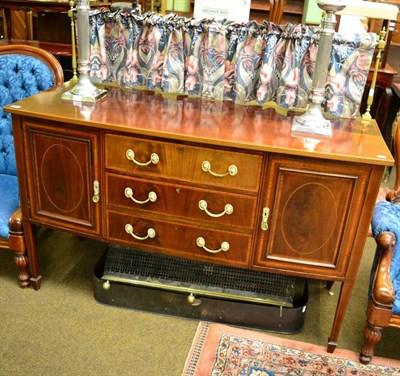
[[247, 63]]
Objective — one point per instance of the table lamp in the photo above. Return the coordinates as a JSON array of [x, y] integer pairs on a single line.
[[84, 90], [312, 121]]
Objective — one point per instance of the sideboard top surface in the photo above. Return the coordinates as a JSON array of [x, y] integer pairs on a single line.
[[49, 3], [210, 123]]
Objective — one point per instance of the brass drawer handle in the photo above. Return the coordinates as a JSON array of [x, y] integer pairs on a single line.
[[151, 233], [152, 196], [206, 167], [202, 244], [228, 209], [130, 155]]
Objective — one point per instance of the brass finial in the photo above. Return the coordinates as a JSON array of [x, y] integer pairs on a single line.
[[366, 117], [74, 78]]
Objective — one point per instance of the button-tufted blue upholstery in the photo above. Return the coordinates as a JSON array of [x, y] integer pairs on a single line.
[[20, 76], [386, 217]]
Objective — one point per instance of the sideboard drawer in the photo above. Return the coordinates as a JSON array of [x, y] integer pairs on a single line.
[[216, 167], [212, 207], [179, 240]]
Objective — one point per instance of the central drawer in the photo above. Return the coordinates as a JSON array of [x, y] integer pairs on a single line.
[[216, 167], [212, 207], [199, 243]]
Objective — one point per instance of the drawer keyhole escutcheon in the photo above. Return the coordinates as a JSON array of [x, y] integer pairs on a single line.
[[151, 233], [228, 209], [264, 220], [202, 244], [152, 196], [206, 167], [130, 155], [96, 192]]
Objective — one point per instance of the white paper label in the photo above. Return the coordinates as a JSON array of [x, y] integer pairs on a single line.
[[233, 10]]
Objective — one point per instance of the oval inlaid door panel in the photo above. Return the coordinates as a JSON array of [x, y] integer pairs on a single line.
[[64, 173], [301, 218], [308, 223]]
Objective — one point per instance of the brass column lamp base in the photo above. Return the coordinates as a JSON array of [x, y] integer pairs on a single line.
[[84, 90], [84, 93], [312, 122]]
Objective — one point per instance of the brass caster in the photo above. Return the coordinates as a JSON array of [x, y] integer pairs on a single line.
[[191, 298]]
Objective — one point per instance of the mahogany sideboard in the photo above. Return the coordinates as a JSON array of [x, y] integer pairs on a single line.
[[210, 181]]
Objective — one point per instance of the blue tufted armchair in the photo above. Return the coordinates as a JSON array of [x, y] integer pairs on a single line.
[[24, 71], [384, 292]]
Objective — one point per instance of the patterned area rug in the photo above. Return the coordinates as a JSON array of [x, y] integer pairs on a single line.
[[221, 350]]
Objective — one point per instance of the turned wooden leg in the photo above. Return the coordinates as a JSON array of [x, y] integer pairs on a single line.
[[372, 335], [21, 261], [17, 245]]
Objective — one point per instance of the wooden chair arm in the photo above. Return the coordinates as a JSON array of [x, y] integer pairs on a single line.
[[15, 222], [393, 196], [382, 288]]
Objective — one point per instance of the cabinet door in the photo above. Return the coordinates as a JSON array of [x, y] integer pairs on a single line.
[[63, 169], [311, 214]]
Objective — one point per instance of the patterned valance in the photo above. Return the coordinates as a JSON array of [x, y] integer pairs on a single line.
[[247, 63]]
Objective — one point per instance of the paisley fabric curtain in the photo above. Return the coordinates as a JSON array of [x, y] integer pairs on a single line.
[[249, 63]]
